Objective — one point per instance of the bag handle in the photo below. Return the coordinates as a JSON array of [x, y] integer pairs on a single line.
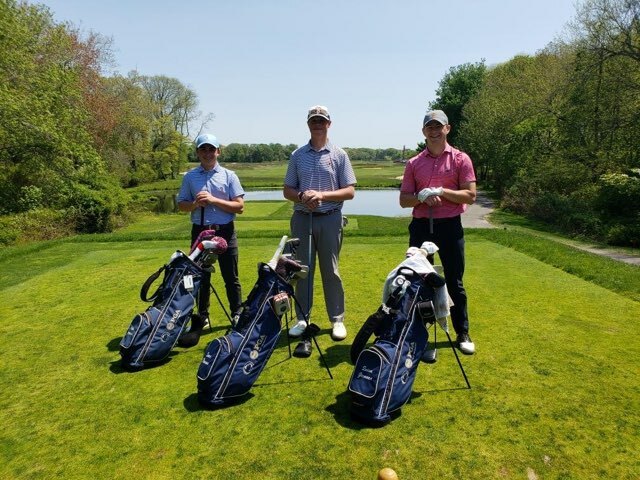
[[145, 287]]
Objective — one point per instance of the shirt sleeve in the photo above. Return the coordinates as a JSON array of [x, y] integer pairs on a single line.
[[185, 195], [235, 187], [291, 177], [408, 179], [467, 173], [347, 175]]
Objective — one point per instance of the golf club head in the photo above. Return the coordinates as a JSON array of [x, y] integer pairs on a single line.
[[291, 247], [434, 280], [302, 273], [311, 331], [203, 235], [217, 245], [286, 266], [411, 251], [429, 248], [207, 259]]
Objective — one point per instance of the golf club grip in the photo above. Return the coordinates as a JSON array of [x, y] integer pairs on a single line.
[[274, 260]]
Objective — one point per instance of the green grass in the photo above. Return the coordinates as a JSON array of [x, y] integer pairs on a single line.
[[555, 390]]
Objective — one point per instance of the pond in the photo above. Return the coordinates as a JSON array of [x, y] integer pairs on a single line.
[[383, 203]]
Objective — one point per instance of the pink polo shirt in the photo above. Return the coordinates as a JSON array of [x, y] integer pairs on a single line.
[[451, 169]]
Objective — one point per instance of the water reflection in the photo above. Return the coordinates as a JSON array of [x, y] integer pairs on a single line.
[[383, 203]]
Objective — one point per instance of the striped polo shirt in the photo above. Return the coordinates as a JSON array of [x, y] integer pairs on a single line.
[[323, 170]]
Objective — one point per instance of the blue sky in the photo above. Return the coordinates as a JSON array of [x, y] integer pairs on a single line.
[[258, 65]]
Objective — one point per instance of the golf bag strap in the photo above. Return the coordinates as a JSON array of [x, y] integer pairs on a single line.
[[147, 284], [368, 328]]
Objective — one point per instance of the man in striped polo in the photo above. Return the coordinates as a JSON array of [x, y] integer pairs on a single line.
[[319, 179]]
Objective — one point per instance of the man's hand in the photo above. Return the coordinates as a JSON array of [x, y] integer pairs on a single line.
[[429, 192], [204, 198], [312, 199]]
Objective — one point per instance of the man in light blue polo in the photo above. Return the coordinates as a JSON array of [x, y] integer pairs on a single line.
[[214, 196], [319, 179]]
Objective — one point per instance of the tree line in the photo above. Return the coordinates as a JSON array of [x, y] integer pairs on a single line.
[[555, 135]]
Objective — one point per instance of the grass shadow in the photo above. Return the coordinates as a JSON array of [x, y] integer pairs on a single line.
[[192, 404], [337, 354], [341, 411], [117, 368], [113, 345]]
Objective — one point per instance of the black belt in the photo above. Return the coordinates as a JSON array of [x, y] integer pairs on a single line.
[[319, 214], [227, 227]]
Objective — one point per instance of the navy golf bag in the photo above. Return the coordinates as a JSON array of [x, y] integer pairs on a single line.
[[233, 362], [153, 333], [384, 372]]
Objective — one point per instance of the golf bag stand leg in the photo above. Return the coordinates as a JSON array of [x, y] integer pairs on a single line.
[[456, 354], [286, 322], [315, 341], [221, 304]]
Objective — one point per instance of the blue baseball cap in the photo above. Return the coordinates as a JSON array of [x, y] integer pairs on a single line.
[[207, 138]]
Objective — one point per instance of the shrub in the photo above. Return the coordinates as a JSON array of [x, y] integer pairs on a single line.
[[96, 211], [38, 224], [30, 198]]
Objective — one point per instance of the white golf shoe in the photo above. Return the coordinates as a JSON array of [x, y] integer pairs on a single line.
[[465, 344], [338, 331], [298, 329]]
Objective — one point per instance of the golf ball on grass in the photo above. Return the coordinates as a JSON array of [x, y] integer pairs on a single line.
[[387, 473]]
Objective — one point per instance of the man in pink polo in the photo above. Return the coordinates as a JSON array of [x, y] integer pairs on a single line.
[[438, 184]]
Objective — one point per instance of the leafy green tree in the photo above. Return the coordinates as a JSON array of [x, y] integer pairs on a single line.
[[126, 146], [455, 90], [172, 100], [512, 118], [44, 137], [46, 146]]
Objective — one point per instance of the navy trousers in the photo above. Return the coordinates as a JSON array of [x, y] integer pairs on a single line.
[[228, 262], [448, 235]]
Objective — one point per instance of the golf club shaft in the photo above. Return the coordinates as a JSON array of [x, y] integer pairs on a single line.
[[312, 271], [431, 220]]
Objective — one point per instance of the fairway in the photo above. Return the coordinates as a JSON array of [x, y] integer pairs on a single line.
[[554, 381]]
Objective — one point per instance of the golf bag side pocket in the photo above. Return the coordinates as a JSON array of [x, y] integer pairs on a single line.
[[217, 358], [368, 381], [153, 333]]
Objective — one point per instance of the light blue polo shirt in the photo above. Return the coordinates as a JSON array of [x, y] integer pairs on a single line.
[[219, 182]]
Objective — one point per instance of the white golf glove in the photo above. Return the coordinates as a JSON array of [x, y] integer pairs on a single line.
[[429, 192]]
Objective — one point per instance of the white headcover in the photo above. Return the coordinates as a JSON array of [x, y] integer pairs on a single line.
[[417, 261]]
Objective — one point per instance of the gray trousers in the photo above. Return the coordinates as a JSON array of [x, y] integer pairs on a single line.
[[325, 242]]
